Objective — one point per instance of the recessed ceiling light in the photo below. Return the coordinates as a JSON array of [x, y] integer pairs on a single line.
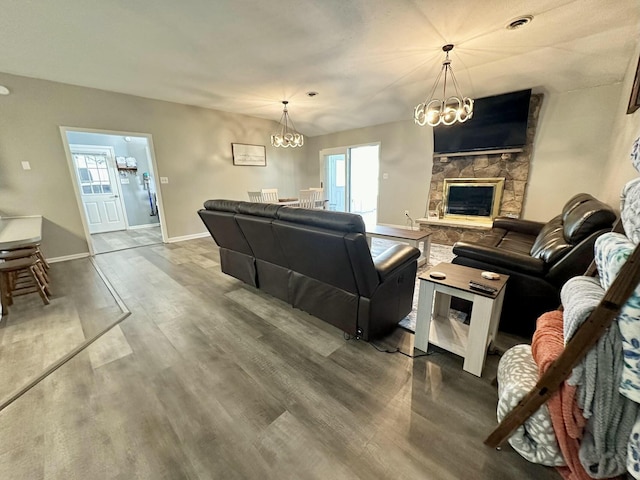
[[4, 90], [312, 94], [519, 22]]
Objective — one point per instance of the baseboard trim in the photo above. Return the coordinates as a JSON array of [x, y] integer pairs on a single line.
[[187, 237], [65, 258], [146, 225]]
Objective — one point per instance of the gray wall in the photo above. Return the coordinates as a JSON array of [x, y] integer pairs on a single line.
[[192, 147], [571, 148], [624, 131]]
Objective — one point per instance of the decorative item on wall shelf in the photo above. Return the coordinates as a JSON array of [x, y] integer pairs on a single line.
[[634, 100], [249, 155], [287, 136], [126, 164], [448, 110]]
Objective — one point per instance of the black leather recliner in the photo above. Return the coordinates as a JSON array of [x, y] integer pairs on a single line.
[[539, 257], [316, 260]]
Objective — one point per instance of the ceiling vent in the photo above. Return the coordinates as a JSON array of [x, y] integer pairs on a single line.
[[519, 22]]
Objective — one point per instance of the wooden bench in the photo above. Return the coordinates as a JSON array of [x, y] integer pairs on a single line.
[[404, 235]]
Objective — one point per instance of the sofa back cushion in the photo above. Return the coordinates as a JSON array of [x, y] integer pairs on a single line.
[[581, 216], [550, 244], [573, 202], [219, 218], [586, 218], [330, 220], [328, 246]]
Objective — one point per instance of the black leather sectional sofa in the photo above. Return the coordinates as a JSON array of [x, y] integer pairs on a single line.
[[316, 260], [539, 257]]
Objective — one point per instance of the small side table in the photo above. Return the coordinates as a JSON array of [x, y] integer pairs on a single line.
[[434, 326]]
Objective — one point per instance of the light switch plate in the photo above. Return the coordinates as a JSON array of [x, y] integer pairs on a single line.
[[26, 166], [164, 179], [385, 176]]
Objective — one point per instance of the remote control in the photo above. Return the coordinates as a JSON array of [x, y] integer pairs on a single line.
[[481, 287]]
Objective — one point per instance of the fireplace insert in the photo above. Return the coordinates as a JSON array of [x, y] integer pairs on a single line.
[[472, 198]]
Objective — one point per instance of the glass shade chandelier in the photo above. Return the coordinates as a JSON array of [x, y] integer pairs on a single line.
[[287, 136], [448, 110]]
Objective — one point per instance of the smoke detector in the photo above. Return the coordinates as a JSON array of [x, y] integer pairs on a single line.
[[4, 90], [519, 22]]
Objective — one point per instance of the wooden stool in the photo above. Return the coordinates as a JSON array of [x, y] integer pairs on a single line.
[[30, 246], [41, 271], [19, 277]]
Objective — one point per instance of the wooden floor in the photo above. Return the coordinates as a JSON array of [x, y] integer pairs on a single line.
[[122, 239], [209, 378]]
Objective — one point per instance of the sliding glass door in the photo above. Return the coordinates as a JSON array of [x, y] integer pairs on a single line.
[[349, 176]]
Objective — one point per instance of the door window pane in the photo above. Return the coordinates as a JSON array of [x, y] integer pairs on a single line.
[[93, 174]]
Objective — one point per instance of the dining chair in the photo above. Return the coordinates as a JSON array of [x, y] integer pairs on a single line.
[[319, 199], [270, 195], [307, 198], [255, 197]]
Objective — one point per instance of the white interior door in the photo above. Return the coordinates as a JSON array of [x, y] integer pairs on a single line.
[[97, 180]]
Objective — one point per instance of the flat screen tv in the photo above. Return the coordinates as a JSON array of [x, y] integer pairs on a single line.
[[498, 123]]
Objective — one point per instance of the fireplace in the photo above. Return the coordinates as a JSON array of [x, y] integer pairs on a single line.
[[473, 199]]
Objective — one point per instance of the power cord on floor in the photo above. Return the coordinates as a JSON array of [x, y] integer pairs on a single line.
[[348, 337], [397, 350]]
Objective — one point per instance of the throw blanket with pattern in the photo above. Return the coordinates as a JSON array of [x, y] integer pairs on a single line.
[[534, 439], [610, 417]]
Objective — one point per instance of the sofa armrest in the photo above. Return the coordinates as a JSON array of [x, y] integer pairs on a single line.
[[501, 258], [517, 225], [393, 259]]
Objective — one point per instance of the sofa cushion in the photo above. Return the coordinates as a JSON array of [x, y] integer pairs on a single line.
[[573, 202], [586, 218], [330, 220], [550, 244], [230, 206], [267, 210], [517, 242]]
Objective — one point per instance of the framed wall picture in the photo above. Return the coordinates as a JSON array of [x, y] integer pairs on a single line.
[[249, 155], [634, 100]]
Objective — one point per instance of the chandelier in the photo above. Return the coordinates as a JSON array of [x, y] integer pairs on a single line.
[[287, 136], [447, 110]]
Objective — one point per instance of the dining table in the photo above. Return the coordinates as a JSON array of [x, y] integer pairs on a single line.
[[292, 202], [18, 231]]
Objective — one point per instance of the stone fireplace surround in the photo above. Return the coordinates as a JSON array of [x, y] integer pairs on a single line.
[[513, 167]]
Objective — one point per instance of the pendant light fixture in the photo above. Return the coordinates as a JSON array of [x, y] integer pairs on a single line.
[[448, 110], [287, 136]]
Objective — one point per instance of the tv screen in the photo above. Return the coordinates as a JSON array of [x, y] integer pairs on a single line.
[[498, 122]]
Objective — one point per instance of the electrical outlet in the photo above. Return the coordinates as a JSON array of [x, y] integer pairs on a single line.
[[406, 212]]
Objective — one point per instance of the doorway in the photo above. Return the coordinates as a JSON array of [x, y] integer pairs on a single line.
[[114, 179], [350, 179]]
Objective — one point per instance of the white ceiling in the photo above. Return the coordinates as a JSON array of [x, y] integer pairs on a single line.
[[371, 61]]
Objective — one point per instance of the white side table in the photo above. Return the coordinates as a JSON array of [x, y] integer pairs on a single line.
[[434, 326]]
